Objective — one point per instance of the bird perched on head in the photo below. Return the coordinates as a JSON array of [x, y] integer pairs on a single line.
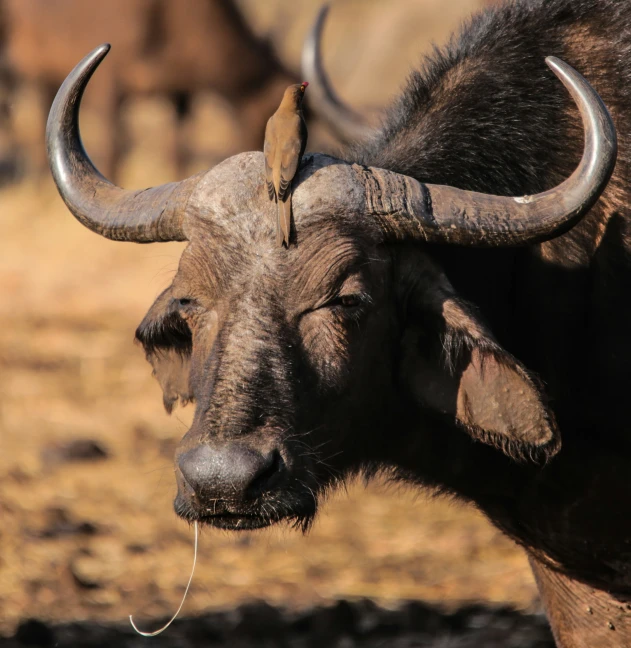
[[285, 141]]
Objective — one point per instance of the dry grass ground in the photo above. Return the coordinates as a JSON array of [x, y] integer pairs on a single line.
[[97, 539]]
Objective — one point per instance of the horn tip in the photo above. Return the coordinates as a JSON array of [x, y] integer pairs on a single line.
[[93, 59], [315, 33], [323, 11], [103, 49], [99, 53], [560, 68], [566, 73], [554, 63]]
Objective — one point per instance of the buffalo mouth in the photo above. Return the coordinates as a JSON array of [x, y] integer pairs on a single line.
[[298, 512], [236, 521]]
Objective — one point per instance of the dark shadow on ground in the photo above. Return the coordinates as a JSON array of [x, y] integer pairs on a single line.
[[347, 624]]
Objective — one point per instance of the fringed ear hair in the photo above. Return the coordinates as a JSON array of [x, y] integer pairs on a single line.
[[453, 365], [167, 341]]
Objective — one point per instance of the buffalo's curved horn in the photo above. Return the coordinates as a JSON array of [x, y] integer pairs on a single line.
[[147, 216], [348, 125], [406, 208]]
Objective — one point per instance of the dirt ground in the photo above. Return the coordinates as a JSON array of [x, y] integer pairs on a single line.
[[87, 531]]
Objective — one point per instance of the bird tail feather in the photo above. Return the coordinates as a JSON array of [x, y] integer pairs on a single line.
[[284, 220]]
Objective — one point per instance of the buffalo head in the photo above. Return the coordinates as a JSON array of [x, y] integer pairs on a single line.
[[327, 358]]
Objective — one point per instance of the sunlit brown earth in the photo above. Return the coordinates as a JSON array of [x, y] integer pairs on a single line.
[[96, 538]]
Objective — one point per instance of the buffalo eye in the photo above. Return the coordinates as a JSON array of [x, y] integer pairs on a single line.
[[351, 304], [347, 301], [185, 307]]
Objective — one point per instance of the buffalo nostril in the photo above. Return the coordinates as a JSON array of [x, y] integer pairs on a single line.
[[264, 479], [231, 472]]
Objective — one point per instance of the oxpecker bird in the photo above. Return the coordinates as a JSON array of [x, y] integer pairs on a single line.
[[285, 141]]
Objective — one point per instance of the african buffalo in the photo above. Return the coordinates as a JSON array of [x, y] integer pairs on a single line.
[[168, 49], [423, 321]]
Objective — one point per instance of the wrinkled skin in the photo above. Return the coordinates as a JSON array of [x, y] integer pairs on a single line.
[[270, 345]]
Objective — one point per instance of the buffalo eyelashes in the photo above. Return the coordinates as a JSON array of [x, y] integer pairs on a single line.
[[349, 306], [348, 301]]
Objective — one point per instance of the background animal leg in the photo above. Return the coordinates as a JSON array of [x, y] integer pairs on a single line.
[[182, 154], [31, 101]]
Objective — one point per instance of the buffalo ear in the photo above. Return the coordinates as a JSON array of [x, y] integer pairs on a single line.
[[498, 403], [453, 365], [172, 370], [167, 342]]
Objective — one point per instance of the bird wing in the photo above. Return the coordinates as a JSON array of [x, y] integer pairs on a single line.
[[303, 135], [269, 151], [291, 152]]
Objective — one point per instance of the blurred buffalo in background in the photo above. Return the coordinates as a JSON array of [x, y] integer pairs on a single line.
[[168, 49]]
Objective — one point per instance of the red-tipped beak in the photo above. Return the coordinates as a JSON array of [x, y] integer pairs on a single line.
[[304, 84]]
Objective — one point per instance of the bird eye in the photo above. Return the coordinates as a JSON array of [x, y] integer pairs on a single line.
[[183, 302]]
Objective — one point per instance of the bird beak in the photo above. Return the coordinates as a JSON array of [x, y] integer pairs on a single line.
[[303, 86]]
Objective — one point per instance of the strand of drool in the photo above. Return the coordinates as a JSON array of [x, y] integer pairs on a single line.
[[164, 627]]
